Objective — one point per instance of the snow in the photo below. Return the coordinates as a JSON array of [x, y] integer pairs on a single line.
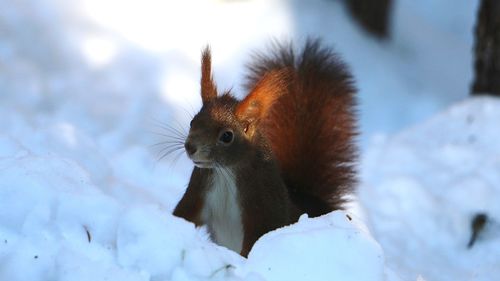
[[436, 176], [87, 89], [314, 244]]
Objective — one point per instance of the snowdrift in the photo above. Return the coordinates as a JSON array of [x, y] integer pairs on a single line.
[[424, 186], [57, 223]]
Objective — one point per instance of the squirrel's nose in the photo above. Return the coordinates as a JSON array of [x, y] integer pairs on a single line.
[[190, 148]]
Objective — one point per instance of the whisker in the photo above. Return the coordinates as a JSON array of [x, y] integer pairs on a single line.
[[175, 137], [168, 152], [190, 115], [172, 132], [170, 128], [168, 133], [177, 157], [172, 136], [228, 178], [172, 146], [181, 128], [204, 149], [167, 142]]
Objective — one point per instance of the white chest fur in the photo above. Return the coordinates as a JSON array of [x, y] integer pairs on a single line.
[[221, 212]]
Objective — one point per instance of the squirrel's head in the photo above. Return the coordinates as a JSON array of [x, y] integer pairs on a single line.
[[225, 129]]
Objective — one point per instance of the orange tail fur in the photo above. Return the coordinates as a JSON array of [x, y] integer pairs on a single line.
[[312, 127]]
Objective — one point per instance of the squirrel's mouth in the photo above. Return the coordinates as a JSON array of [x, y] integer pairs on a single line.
[[203, 164]]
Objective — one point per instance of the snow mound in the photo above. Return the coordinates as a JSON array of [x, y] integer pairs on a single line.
[[332, 247], [424, 186], [57, 224]]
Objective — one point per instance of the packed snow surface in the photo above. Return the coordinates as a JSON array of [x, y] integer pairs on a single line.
[[90, 89]]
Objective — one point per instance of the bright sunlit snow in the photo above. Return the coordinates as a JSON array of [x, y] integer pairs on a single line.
[[88, 88]]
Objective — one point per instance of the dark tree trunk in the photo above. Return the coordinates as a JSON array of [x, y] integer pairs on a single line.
[[373, 15], [487, 49]]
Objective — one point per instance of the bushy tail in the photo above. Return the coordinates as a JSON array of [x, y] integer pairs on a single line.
[[311, 128]]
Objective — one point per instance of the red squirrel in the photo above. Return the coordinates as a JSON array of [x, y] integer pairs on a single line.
[[286, 149]]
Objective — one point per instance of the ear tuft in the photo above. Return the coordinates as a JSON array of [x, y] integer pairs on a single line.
[[208, 87], [259, 101]]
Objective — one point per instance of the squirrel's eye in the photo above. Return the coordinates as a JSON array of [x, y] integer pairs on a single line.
[[226, 137]]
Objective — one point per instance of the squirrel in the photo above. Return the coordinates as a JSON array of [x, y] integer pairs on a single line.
[[286, 149]]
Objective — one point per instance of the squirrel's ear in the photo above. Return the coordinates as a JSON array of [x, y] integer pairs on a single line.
[[208, 88], [259, 101]]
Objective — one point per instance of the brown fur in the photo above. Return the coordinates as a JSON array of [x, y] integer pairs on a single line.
[[208, 87], [292, 150], [192, 201], [265, 93], [312, 128]]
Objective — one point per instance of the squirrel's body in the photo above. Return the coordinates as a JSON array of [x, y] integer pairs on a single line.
[[286, 149]]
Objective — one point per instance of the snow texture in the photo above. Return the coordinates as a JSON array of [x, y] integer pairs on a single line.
[[89, 87], [435, 178]]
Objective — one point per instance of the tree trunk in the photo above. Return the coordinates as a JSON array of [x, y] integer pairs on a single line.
[[487, 49], [372, 15]]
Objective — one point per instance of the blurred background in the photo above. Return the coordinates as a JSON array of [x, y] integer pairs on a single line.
[[118, 56]]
